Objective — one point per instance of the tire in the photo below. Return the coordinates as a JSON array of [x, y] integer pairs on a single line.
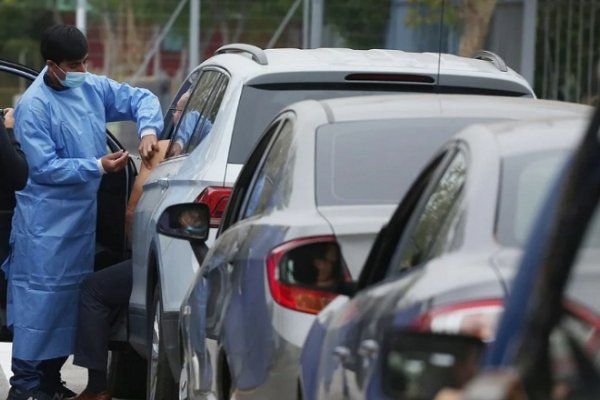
[[224, 391], [127, 374], [160, 382]]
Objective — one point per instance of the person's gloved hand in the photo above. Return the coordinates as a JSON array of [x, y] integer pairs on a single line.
[[114, 162], [148, 146], [9, 119]]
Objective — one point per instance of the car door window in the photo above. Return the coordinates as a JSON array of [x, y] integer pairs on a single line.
[[244, 181], [272, 185], [13, 84], [195, 115], [186, 86], [433, 228]]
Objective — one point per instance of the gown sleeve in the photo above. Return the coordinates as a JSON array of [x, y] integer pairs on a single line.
[[126, 103]]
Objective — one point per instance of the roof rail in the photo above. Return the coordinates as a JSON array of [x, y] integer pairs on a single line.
[[257, 53], [494, 58]]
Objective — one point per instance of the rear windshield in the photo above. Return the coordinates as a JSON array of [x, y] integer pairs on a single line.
[[260, 104], [525, 181], [374, 162]]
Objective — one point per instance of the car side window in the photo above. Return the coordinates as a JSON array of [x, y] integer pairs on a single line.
[[195, 112], [272, 183], [170, 124], [433, 228]]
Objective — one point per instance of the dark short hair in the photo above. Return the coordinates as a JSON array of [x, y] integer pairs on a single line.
[[63, 43]]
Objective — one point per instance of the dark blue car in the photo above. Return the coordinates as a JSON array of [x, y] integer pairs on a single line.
[[548, 341]]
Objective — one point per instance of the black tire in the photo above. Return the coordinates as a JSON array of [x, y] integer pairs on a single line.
[[160, 383], [224, 379], [127, 374]]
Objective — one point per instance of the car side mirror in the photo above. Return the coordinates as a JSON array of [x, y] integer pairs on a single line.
[[189, 221]]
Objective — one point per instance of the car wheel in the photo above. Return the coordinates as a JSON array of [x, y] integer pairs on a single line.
[[160, 382], [224, 379], [126, 374]]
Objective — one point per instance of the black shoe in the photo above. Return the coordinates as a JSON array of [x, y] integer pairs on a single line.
[[63, 392], [20, 394]]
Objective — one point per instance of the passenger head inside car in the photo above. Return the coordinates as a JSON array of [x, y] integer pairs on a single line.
[[317, 265]]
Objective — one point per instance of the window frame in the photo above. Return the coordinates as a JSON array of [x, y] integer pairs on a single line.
[[222, 79], [456, 150]]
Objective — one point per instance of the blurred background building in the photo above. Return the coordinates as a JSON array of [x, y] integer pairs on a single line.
[[555, 44]]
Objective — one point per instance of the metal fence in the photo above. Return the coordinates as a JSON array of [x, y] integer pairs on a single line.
[[568, 50]]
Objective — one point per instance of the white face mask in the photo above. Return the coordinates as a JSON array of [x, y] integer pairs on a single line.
[[72, 79]]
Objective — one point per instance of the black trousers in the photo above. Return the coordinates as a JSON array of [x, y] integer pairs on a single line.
[[104, 294]]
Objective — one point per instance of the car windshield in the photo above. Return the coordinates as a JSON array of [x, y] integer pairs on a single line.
[[525, 181], [374, 162], [260, 104]]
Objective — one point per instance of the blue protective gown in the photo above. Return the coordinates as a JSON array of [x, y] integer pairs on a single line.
[[54, 226]]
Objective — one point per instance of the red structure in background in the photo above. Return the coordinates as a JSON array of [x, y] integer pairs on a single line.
[[170, 61]]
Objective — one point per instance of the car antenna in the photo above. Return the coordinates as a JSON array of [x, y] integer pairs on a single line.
[[440, 47]]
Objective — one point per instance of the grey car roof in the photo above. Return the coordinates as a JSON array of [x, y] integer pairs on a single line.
[[428, 105], [523, 137]]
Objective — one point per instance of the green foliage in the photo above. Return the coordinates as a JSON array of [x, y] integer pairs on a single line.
[[23, 21], [427, 12], [361, 23]]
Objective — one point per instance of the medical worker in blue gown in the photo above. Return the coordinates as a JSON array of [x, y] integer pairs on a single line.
[[60, 123]]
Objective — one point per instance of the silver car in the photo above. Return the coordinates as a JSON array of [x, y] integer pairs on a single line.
[[321, 182], [438, 273], [233, 96]]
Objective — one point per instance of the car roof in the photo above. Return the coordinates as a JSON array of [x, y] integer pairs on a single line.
[[524, 137], [378, 107], [252, 62]]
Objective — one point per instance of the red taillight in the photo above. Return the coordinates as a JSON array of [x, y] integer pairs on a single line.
[[298, 296], [390, 77], [476, 318], [216, 199]]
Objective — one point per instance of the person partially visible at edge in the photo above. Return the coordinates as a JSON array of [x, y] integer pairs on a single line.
[[60, 123], [13, 175]]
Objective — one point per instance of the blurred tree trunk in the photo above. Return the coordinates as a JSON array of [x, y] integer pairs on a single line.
[[134, 44], [476, 20], [241, 20], [109, 39]]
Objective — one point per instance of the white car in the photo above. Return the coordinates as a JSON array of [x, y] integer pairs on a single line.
[[234, 95]]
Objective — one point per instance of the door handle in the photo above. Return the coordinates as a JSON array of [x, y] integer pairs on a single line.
[[343, 355], [163, 183], [368, 350]]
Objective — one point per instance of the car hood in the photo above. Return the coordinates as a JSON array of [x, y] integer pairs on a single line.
[[355, 228]]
